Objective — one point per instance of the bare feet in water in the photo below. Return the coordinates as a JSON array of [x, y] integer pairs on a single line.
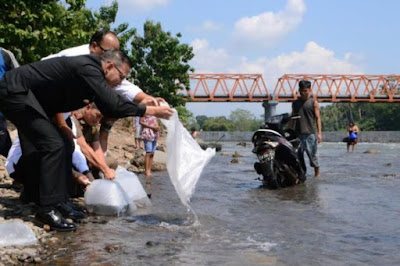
[[316, 170]]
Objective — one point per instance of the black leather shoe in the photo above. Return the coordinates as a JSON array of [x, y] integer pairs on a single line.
[[68, 212], [54, 219]]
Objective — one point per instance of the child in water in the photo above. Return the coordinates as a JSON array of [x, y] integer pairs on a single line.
[[352, 133]]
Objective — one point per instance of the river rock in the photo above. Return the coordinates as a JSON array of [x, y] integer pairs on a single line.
[[373, 151], [234, 160]]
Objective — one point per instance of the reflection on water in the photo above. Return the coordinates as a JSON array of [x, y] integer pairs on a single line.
[[348, 216]]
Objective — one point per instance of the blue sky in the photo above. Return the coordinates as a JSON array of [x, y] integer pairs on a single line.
[[274, 37]]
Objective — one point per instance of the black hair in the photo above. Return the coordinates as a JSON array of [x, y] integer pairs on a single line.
[[117, 57], [304, 84], [98, 36]]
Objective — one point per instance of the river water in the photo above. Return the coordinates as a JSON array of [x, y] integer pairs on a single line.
[[349, 216]]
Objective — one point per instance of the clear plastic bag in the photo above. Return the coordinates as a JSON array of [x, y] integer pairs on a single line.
[[106, 197], [16, 234], [185, 158], [133, 188]]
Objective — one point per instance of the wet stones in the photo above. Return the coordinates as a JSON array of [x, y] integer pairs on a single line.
[[236, 156], [112, 248], [152, 243], [373, 151]]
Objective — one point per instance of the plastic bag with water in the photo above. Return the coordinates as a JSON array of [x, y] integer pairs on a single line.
[[133, 188], [16, 234], [106, 197], [185, 158]]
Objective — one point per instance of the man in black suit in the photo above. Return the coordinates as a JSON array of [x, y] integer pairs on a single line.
[[32, 93]]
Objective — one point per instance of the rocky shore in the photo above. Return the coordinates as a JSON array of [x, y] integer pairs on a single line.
[[12, 209]]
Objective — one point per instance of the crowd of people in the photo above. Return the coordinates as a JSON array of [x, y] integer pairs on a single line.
[[51, 102]]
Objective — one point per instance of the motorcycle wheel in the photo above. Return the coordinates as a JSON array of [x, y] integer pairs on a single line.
[[270, 175]]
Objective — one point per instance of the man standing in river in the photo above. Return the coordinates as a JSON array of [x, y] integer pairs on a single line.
[[307, 111]]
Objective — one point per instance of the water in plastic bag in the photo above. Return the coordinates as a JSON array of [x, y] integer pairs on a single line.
[[133, 188], [106, 197], [16, 234], [185, 158]]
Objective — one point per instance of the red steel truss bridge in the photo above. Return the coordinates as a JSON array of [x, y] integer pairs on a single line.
[[326, 88]]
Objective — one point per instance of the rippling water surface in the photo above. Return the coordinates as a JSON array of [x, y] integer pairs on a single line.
[[349, 216]]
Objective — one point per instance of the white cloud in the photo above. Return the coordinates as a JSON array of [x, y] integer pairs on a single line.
[[136, 6], [207, 59], [207, 26], [314, 59], [269, 28]]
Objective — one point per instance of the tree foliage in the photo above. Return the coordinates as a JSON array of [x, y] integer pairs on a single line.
[[368, 116], [239, 120], [33, 29], [160, 63], [244, 120], [220, 123]]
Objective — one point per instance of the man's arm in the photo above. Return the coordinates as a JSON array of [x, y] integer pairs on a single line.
[[318, 121], [96, 159], [140, 97]]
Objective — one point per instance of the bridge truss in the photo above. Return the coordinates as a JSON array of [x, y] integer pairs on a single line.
[[326, 88], [341, 88], [227, 88]]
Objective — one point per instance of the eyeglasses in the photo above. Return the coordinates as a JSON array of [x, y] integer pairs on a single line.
[[121, 75], [104, 50]]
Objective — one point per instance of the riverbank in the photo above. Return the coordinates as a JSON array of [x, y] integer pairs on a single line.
[[329, 136]]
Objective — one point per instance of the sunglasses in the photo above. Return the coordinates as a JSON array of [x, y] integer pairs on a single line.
[[121, 75]]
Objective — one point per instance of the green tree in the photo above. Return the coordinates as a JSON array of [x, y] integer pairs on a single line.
[[368, 116], [200, 120], [33, 29], [243, 120], [160, 63], [186, 117], [219, 123]]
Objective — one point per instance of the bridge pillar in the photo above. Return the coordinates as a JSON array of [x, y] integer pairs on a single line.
[[269, 108]]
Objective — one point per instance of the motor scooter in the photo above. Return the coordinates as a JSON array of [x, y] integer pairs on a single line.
[[281, 160]]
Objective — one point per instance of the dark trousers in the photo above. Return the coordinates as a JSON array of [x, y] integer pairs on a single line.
[[5, 140], [40, 137]]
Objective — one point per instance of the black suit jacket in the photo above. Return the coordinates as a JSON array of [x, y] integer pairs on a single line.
[[65, 84]]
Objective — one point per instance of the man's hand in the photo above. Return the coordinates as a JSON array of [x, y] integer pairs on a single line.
[[319, 137], [109, 173], [163, 112], [152, 101], [160, 100]]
